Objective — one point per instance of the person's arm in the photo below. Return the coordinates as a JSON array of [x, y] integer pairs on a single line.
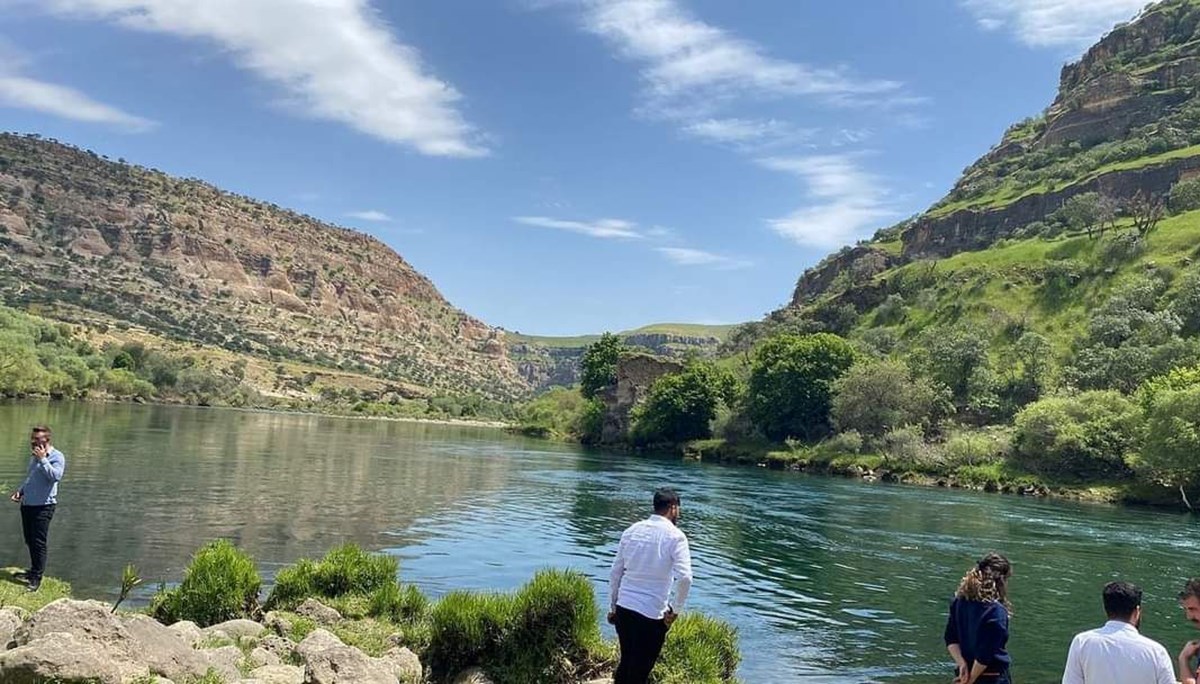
[[977, 671], [615, 576], [1186, 675], [682, 569], [1164, 672], [51, 467], [1073, 674]]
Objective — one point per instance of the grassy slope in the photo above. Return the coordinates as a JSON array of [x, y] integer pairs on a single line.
[[719, 332]]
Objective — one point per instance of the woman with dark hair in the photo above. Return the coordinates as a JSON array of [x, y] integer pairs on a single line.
[[977, 630]]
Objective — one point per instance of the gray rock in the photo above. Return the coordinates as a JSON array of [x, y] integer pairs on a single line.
[[279, 674], [282, 648], [10, 622], [134, 644], [328, 661], [187, 629], [260, 657], [405, 664], [225, 661], [318, 612], [237, 629], [57, 657], [472, 676]]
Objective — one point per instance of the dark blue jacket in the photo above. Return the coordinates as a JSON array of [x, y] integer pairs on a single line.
[[980, 628]]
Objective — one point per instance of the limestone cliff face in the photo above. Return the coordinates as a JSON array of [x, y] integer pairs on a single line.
[[636, 373], [109, 241]]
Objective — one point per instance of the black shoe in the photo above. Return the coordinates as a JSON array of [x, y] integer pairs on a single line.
[[34, 585]]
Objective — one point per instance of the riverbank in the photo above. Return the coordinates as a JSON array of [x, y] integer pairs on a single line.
[[996, 477], [343, 619]]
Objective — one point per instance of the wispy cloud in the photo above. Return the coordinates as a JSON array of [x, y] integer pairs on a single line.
[[336, 60], [685, 256], [1053, 23], [58, 100], [601, 228], [748, 134], [373, 215], [845, 202]]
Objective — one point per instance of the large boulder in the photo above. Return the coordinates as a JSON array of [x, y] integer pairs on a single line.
[[58, 657], [189, 631], [135, 644], [405, 664], [224, 661], [278, 646], [318, 612], [328, 661], [279, 674], [10, 621], [261, 657]]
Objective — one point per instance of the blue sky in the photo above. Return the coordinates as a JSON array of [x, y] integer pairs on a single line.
[[558, 166]]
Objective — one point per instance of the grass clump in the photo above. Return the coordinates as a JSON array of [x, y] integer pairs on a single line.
[[698, 650], [15, 593], [346, 570], [548, 631], [221, 583]]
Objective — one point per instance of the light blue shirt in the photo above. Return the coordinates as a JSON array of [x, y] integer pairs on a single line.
[[40, 487]]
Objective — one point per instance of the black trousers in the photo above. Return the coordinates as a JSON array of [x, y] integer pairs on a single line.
[[35, 523], [641, 640]]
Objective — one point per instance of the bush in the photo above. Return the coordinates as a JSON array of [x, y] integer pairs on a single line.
[[681, 406], [698, 650], [404, 605], [957, 358], [221, 583], [874, 398], [905, 447], [1177, 379], [598, 368], [548, 631], [1185, 196], [1088, 436], [346, 570], [1170, 455], [791, 384]]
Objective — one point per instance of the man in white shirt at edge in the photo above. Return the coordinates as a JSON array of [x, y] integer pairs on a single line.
[[652, 553], [1117, 653]]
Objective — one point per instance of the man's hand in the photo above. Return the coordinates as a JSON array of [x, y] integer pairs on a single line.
[[41, 451], [1190, 649], [964, 674], [669, 617], [16, 497], [612, 617]]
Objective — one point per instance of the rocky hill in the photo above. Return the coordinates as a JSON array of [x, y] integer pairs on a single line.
[[546, 362], [94, 241]]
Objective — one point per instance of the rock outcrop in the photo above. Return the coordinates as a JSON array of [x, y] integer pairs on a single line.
[[103, 242], [636, 373]]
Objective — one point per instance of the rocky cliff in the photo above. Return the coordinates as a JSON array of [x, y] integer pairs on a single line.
[[88, 239]]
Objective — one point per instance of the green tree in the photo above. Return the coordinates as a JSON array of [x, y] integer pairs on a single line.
[[598, 369], [958, 359], [681, 406], [1089, 212], [791, 383], [1086, 436], [1185, 196], [875, 398], [1171, 453], [1029, 363]]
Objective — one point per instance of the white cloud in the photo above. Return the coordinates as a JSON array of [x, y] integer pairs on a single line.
[[336, 60], [685, 256], [846, 203], [57, 100], [748, 134], [1053, 23], [602, 228], [370, 215]]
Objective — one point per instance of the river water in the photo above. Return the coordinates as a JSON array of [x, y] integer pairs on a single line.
[[828, 580]]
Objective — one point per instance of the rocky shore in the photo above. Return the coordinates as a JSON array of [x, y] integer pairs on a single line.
[[77, 642]]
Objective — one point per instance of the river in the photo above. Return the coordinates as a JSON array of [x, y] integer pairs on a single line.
[[828, 580]]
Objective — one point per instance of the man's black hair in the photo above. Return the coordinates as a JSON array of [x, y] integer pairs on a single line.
[[664, 499], [1121, 599]]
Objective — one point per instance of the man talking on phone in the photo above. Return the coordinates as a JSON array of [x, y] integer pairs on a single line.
[[38, 497], [652, 554]]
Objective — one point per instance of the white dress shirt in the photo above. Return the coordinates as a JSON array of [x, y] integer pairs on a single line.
[[1117, 654], [652, 553]]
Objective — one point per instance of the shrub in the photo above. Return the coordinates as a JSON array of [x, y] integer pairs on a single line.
[[874, 398], [404, 605], [221, 583], [598, 368], [467, 630], [905, 447], [791, 383], [1177, 379], [343, 571], [1085, 436], [957, 358], [698, 650], [1185, 196]]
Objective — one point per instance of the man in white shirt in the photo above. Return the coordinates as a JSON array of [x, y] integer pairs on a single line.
[[653, 554], [1117, 653]]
